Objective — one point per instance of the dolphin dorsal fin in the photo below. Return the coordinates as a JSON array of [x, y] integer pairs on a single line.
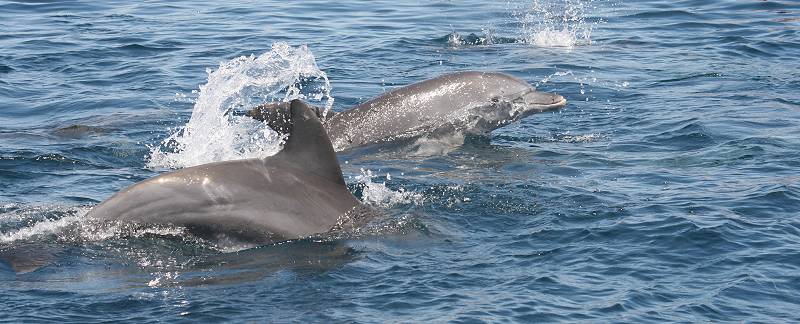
[[308, 146]]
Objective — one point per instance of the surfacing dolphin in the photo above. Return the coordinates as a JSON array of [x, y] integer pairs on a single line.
[[457, 103], [297, 193]]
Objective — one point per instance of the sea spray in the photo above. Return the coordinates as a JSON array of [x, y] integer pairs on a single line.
[[217, 131], [548, 23], [378, 194]]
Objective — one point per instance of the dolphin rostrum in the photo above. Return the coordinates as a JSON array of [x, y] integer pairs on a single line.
[[298, 192], [461, 102]]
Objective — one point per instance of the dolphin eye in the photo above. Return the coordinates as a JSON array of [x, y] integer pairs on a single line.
[[496, 99]]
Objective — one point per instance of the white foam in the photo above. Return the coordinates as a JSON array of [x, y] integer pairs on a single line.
[[586, 138], [214, 133], [74, 227], [46, 227], [561, 24], [378, 194], [163, 279], [553, 38]]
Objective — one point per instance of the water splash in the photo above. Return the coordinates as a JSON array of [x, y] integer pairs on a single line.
[[378, 194], [485, 38], [69, 225], [22, 223], [43, 228], [217, 131], [556, 23]]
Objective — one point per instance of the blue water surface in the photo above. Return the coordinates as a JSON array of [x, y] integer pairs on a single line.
[[668, 189]]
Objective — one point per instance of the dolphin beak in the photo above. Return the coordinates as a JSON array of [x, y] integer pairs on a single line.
[[535, 101]]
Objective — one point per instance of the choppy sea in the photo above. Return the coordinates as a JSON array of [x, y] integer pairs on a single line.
[[668, 189]]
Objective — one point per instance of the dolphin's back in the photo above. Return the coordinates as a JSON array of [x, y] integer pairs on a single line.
[[414, 109], [246, 198], [446, 107], [296, 193]]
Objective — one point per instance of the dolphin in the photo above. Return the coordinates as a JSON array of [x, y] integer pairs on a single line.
[[297, 193], [455, 103]]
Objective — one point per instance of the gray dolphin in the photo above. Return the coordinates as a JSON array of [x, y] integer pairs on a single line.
[[296, 193], [461, 102]]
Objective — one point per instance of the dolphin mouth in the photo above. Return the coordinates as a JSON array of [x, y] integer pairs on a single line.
[[536, 101]]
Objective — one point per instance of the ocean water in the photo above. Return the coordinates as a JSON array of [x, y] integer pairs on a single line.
[[668, 188]]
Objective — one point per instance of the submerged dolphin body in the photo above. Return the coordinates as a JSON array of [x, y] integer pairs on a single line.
[[296, 193], [456, 103]]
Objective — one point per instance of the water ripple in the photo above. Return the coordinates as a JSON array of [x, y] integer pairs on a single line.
[[666, 190]]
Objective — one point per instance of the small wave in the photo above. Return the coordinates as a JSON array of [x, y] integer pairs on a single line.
[[144, 49], [553, 138], [78, 130], [570, 138], [770, 198], [455, 39], [752, 51], [126, 17], [672, 14], [694, 76], [794, 104], [42, 160], [43, 228], [22, 223], [787, 20], [690, 136], [67, 225], [5, 69], [774, 6], [699, 25], [215, 133]]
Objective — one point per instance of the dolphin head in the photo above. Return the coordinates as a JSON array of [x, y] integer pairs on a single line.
[[512, 93], [277, 115], [497, 99], [506, 109], [532, 101]]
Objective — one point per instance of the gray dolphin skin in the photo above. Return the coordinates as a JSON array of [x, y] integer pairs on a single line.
[[461, 102], [296, 193]]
